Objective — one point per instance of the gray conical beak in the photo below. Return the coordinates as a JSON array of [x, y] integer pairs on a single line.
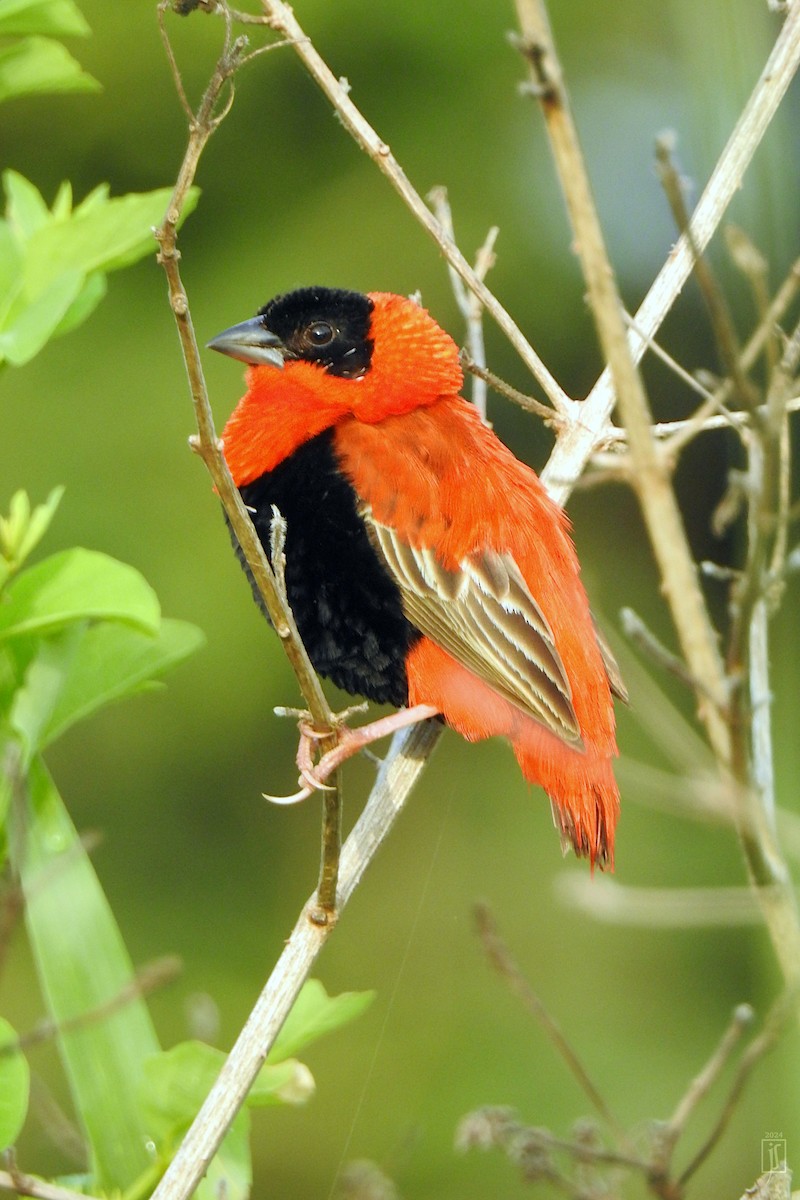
[[251, 343]]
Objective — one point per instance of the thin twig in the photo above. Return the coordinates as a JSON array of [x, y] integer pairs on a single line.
[[469, 305], [779, 1017], [659, 1175], [282, 19], [646, 640], [755, 345], [658, 350], [19, 1184], [693, 426], [716, 304], [702, 1083], [148, 978], [503, 962], [528, 403]]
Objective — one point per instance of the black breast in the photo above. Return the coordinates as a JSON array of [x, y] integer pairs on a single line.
[[346, 605]]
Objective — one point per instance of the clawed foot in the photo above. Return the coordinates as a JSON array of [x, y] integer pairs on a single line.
[[314, 776]]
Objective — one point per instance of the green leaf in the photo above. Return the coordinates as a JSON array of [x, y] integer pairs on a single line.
[[85, 975], [38, 524], [315, 1013], [25, 207], [103, 237], [53, 18], [93, 290], [113, 661], [177, 1081], [14, 1086], [11, 279], [77, 585], [38, 64], [23, 528], [94, 199], [62, 205], [45, 678], [287, 1082], [29, 328], [174, 1087]]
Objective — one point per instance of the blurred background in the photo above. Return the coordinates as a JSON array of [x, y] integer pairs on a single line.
[[194, 861]]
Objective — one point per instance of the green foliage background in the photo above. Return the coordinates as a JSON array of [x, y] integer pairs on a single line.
[[192, 860]]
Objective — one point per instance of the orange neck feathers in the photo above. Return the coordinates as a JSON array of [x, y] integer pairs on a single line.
[[414, 363]]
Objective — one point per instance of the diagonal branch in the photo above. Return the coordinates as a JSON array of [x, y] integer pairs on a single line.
[[282, 19], [574, 449], [650, 474], [399, 773]]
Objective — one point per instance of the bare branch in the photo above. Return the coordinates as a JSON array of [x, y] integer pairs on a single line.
[[780, 1016], [501, 959], [19, 1184], [469, 305], [574, 449], [411, 749]]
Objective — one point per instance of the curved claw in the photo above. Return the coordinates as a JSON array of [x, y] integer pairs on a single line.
[[313, 783], [295, 798]]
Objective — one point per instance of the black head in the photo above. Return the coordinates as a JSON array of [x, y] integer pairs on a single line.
[[328, 326]]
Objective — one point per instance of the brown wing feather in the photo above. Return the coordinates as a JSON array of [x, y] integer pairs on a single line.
[[613, 673], [484, 615]]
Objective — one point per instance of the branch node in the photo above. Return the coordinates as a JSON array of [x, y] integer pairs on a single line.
[[543, 85]]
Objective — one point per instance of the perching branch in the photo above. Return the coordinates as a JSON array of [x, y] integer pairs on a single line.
[[202, 124], [410, 750]]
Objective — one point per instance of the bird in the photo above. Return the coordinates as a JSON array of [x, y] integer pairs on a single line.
[[426, 566]]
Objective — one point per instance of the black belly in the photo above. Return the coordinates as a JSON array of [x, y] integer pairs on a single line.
[[346, 605]]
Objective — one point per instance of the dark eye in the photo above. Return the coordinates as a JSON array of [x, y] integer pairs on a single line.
[[320, 333]]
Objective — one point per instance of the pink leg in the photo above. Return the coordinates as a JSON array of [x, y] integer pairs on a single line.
[[313, 778], [353, 740]]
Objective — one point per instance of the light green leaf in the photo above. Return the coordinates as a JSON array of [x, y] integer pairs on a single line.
[[14, 1086], [85, 972], [23, 528], [29, 328], [287, 1082], [315, 1013], [45, 677], [38, 524], [93, 290], [113, 661], [177, 1081], [11, 279], [77, 585], [25, 207], [95, 199], [174, 1086], [38, 64], [53, 18], [62, 205], [103, 238]]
